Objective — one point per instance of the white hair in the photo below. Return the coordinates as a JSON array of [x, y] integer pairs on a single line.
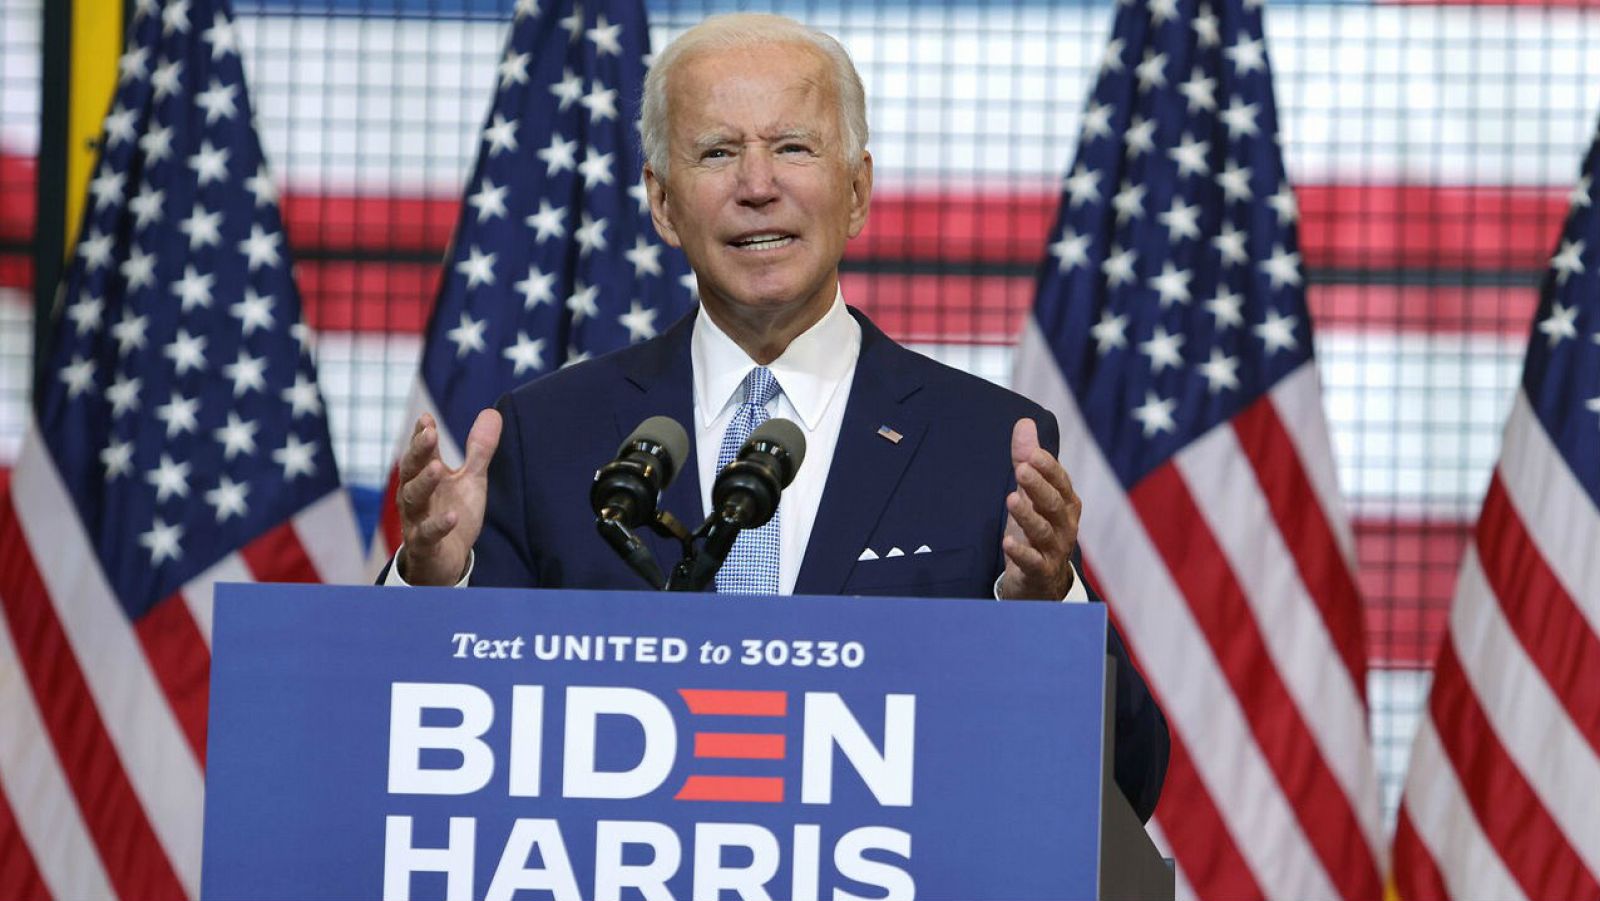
[[744, 30]]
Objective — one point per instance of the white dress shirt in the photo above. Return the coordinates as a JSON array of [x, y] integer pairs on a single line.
[[814, 374]]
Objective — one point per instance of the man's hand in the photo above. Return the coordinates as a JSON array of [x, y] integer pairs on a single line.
[[441, 509], [1042, 525]]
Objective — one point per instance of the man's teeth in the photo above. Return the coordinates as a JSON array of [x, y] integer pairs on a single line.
[[764, 242]]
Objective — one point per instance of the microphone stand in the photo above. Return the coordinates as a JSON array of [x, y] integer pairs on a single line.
[[633, 551], [698, 567]]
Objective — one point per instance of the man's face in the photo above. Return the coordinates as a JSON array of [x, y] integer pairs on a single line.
[[758, 192]]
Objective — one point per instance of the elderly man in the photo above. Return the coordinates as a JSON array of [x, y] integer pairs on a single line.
[[755, 133]]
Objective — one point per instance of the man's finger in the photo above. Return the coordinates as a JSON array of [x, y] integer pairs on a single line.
[[431, 531], [1039, 531], [482, 441], [1030, 564], [422, 450], [415, 493], [1047, 497], [1024, 441], [1049, 467]]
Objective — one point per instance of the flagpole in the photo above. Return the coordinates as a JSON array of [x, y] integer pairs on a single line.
[[49, 238], [81, 42]]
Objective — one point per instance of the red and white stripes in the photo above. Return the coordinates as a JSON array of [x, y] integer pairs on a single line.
[[1229, 573], [102, 760], [1500, 795]]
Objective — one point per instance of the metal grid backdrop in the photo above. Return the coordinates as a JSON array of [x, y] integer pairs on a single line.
[[1432, 148]]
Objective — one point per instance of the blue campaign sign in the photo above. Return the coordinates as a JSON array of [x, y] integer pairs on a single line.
[[497, 744]]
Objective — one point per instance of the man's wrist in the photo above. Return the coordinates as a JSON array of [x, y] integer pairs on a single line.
[[1075, 593], [397, 567]]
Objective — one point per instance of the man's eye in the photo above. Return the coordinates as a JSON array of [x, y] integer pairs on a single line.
[[714, 154], [794, 148]]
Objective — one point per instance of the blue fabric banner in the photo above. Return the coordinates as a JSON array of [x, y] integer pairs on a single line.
[[425, 743]]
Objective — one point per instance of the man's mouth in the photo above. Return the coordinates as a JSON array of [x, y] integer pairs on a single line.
[[764, 241]]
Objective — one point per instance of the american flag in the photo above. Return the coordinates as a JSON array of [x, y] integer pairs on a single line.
[[1500, 799], [1171, 336], [179, 439], [555, 259]]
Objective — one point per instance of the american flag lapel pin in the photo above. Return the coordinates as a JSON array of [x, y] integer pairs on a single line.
[[892, 436]]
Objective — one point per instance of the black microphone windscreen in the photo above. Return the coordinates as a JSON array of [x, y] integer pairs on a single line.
[[786, 435], [665, 431]]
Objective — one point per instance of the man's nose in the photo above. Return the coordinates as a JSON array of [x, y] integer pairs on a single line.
[[758, 177]]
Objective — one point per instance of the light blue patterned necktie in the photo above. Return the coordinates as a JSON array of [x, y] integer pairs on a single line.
[[752, 564]]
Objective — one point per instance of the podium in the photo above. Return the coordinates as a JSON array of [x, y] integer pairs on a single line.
[[508, 744]]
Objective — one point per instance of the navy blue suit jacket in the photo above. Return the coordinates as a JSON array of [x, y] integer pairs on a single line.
[[943, 484]]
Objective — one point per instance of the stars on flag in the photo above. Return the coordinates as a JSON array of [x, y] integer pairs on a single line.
[[167, 79], [253, 312], [537, 288], [1083, 186], [162, 541], [605, 36], [1110, 333], [228, 498], [303, 397], [247, 373], [78, 376], [297, 457], [640, 321], [1159, 230], [549, 222], [526, 354], [1071, 250], [261, 248], [645, 257], [468, 335], [501, 135], [1561, 324], [203, 228], [1570, 309], [85, 313], [555, 258], [238, 436], [478, 267], [595, 169], [210, 164], [490, 201], [1568, 261], [184, 342], [591, 235], [187, 352], [169, 478], [124, 394]]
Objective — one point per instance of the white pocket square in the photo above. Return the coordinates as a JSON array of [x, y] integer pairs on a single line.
[[868, 554]]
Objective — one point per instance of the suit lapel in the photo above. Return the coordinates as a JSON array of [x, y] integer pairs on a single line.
[[663, 375], [867, 467]]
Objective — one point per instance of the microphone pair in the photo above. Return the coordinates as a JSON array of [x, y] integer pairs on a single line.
[[626, 494]]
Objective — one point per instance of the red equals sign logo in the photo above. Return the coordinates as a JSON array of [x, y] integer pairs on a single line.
[[736, 745]]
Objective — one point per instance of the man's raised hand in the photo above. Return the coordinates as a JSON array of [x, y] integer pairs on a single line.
[[441, 509], [1042, 525]]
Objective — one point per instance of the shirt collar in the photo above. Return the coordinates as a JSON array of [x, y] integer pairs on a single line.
[[809, 371]]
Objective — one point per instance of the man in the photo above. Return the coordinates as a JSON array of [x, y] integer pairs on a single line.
[[754, 131]]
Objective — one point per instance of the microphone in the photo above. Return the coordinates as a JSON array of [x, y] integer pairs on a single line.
[[747, 490], [627, 489], [744, 496]]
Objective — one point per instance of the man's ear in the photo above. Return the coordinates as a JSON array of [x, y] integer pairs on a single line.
[[860, 194], [660, 210]]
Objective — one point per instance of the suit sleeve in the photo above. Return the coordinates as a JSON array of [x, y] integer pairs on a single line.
[[1142, 743], [503, 556]]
